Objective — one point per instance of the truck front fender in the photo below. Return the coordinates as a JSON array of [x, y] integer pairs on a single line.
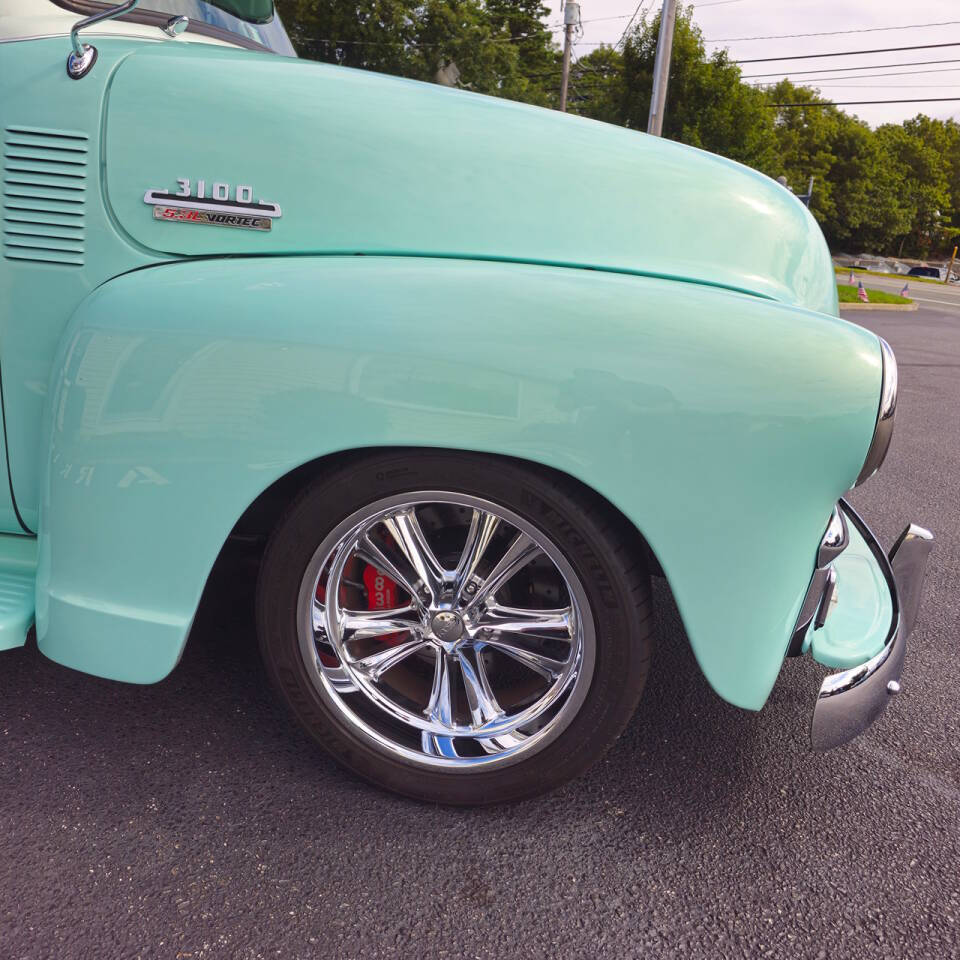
[[724, 426]]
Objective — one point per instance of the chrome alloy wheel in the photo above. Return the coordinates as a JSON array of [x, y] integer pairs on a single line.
[[447, 630]]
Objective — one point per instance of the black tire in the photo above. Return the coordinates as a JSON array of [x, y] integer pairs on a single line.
[[605, 557]]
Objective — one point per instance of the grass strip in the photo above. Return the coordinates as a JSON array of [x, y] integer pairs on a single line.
[[848, 294]]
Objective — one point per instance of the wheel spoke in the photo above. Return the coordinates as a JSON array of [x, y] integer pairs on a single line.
[[439, 708], [481, 700], [548, 667], [319, 621], [435, 746], [520, 552], [339, 679], [544, 623], [377, 664], [482, 528], [375, 623], [502, 742], [367, 550], [405, 529]]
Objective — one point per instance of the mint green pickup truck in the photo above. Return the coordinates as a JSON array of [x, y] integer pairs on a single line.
[[349, 317]]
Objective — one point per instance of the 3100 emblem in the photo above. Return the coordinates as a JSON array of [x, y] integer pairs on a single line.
[[218, 209]]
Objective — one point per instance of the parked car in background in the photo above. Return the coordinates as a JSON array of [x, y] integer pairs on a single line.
[[933, 272], [346, 316]]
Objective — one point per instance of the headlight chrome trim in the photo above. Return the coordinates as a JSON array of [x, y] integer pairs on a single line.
[[883, 429]]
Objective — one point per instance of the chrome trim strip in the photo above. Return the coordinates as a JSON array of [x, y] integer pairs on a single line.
[[849, 701], [66, 33], [162, 199], [883, 430]]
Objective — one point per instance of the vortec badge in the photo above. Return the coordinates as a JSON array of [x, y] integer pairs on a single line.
[[186, 215], [218, 210]]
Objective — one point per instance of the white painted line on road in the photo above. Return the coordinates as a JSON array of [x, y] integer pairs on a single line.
[[924, 289], [949, 303]]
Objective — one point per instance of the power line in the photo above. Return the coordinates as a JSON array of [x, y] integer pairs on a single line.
[[810, 56], [595, 78], [872, 66], [835, 33], [622, 16], [582, 65], [863, 76], [630, 16], [888, 86], [415, 43], [525, 36], [626, 29], [850, 53], [856, 103], [766, 84]]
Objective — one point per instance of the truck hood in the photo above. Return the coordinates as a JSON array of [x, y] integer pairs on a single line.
[[358, 162]]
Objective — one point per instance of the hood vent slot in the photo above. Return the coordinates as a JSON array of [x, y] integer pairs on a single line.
[[44, 195]]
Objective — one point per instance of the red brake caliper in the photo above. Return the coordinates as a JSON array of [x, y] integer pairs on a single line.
[[381, 595]]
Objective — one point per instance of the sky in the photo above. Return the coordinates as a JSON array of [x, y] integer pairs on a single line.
[[725, 23]]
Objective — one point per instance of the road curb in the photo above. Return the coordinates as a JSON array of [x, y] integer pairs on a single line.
[[879, 306]]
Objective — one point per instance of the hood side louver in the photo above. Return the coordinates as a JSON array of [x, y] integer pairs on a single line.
[[44, 195]]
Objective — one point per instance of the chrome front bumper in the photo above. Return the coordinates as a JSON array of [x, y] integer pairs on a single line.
[[851, 700]]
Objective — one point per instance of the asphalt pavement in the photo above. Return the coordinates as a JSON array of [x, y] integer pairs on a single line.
[[192, 819]]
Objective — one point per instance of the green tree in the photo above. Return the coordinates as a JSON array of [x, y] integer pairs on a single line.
[[943, 138], [913, 148], [524, 21], [805, 144], [866, 188], [597, 85], [491, 43], [707, 104], [857, 194], [950, 153], [370, 34]]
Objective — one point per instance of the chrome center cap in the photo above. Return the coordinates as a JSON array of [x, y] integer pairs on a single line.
[[447, 627]]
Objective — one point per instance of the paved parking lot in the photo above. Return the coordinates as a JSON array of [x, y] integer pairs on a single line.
[[192, 819]]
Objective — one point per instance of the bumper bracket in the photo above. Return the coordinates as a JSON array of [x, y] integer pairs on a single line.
[[851, 700]]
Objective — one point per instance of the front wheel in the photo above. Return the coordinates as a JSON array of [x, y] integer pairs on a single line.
[[453, 627]]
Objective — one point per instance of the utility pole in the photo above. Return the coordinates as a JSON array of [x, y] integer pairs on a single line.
[[571, 17], [953, 257], [661, 67]]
